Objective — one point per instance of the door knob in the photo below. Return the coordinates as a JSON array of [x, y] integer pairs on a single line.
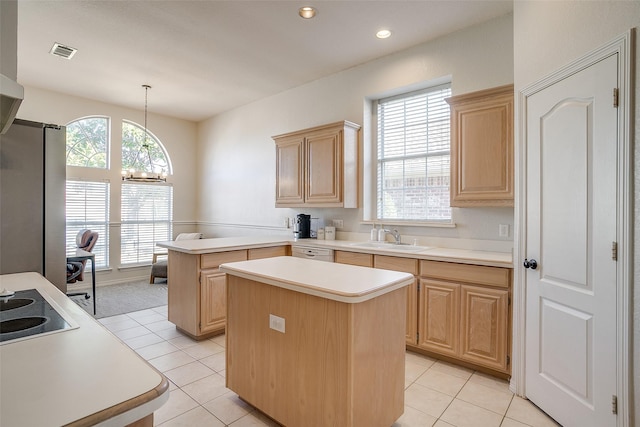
[[530, 263]]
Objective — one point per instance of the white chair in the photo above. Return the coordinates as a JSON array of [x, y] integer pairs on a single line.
[[159, 267]]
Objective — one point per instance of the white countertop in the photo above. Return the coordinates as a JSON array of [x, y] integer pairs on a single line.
[[221, 244], [66, 376], [465, 256], [339, 282]]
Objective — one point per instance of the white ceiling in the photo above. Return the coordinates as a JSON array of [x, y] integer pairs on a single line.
[[205, 57]]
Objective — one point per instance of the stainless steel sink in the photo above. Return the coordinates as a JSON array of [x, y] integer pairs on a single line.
[[387, 246]]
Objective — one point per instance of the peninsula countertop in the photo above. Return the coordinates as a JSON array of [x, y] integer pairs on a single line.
[[464, 256], [77, 377], [338, 282]]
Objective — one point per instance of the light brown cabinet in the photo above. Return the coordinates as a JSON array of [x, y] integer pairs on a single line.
[[406, 265], [439, 316], [197, 288], [482, 148], [318, 167], [464, 313], [353, 258]]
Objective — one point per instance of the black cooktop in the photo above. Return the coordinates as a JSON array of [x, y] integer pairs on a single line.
[[28, 313]]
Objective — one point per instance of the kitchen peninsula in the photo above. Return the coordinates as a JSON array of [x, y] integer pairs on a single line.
[[78, 376], [315, 343]]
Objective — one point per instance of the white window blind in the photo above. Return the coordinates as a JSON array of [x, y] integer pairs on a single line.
[[87, 206], [147, 215], [413, 148]]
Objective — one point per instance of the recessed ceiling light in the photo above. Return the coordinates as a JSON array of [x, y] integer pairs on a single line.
[[307, 12], [383, 34]]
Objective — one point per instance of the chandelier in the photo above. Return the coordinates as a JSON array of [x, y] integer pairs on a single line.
[[141, 176]]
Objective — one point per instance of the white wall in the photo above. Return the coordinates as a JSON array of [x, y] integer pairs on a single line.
[[237, 155], [178, 137], [549, 35]]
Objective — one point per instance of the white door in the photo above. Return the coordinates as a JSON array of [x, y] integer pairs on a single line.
[[571, 224]]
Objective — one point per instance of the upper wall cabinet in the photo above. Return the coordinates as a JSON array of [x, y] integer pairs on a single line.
[[482, 148], [318, 167]]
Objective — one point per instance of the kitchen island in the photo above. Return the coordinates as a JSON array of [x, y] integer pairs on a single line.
[[79, 376], [313, 343]]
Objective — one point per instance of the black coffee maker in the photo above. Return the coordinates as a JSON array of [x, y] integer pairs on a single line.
[[302, 227]]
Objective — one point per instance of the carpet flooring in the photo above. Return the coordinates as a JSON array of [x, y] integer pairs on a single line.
[[125, 298]]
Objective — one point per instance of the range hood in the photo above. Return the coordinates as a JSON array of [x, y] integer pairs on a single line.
[[11, 96]]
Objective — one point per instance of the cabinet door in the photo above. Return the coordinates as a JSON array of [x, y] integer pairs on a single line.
[[412, 313], [289, 171], [482, 148], [438, 323], [324, 167], [484, 329], [406, 265], [213, 301]]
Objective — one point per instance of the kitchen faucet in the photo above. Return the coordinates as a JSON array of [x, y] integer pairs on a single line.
[[396, 236]]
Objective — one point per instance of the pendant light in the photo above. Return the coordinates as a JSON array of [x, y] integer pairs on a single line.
[[133, 175]]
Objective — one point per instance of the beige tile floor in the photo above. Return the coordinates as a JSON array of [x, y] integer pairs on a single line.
[[437, 394]]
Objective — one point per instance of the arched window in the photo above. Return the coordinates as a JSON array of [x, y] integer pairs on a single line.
[[146, 209], [143, 152], [88, 142]]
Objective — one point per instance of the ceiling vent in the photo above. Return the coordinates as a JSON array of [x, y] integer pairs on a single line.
[[63, 51]]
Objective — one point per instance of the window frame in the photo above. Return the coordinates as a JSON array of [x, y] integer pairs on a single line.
[[107, 148], [101, 250], [143, 254], [152, 140], [371, 161]]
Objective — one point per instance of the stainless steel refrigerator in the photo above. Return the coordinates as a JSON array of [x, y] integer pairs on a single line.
[[32, 200]]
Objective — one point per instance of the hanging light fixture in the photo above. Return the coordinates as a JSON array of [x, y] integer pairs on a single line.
[[132, 174]]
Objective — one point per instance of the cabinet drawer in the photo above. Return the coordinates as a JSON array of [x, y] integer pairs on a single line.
[[214, 260], [477, 274], [406, 265], [270, 252], [354, 258]]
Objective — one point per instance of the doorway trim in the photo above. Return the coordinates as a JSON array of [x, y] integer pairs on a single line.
[[623, 45]]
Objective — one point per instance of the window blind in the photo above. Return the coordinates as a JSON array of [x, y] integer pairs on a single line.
[[413, 148], [87, 206], [146, 218]]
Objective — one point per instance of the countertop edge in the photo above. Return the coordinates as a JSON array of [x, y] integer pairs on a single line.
[[130, 410], [478, 257], [350, 298]]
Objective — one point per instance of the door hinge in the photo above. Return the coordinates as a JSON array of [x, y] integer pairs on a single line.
[[614, 251], [508, 360], [614, 404], [615, 97]]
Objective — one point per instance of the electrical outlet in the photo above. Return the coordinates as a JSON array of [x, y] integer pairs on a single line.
[[276, 323], [338, 223], [286, 223], [503, 230]]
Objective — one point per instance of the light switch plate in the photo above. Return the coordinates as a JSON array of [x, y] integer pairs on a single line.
[[276, 323], [338, 223]]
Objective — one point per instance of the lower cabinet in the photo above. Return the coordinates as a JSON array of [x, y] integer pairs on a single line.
[[197, 288], [213, 301], [439, 317], [460, 311], [464, 313], [406, 265]]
